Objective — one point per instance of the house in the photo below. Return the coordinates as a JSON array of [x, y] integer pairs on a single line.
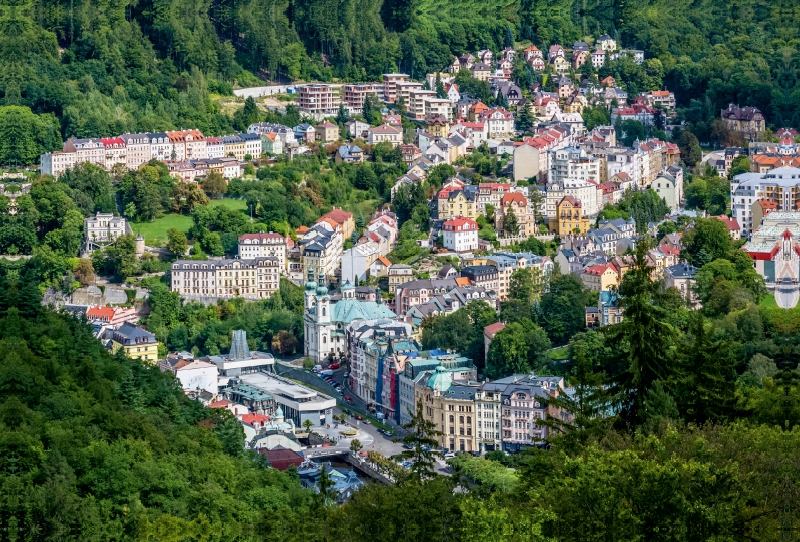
[[385, 133], [341, 218], [682, 276], [305, 132], [399, 274], [580, 46], [669, 188], [488, 335], [748, 120], [608, 82], [410, 152], [600, 277], [356, 129], [569, 217], [349, 154], [113, 316], [499, 123], [531, 52], [579, 58], [607, 43], [734, 231], [481, 71], [104, 228], [271, 145], [134, 341], [460, 234], [380, 267], [554, 52], [327, 131], [537, 63], [560, 64], [565, 86], [281, 458], [437, 125], [514, 202], [599, 58], [452, 92]]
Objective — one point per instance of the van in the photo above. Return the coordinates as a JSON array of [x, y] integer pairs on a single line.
[[317, 368], [326, 372]]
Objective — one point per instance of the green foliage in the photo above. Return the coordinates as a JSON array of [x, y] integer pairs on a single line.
[[421, 442], [488, 474], [516, 349], [176, 242], [710, 193], [461, 331], [25, 135]]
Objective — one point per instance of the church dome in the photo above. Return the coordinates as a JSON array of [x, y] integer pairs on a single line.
[[441, 380], [278, 414], [310, 285], [348, 285]]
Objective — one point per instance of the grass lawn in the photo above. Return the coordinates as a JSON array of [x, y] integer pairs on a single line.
[[155, 232], [559, 353]]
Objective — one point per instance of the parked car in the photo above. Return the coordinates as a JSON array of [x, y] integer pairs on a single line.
[[448, 455], [326, 372], [348, 399], [317, 368], [333, 366], [346, 374]]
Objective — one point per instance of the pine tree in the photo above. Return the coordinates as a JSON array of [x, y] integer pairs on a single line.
[[509, 37], [525, 119], [421, 444], [342, 115], [440, 93], [510, 224]]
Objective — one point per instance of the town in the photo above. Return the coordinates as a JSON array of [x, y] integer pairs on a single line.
[[449, 273]]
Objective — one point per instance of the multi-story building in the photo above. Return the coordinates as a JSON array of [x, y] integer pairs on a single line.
[[780, 186], [572, 164], [416, 102], [357, 261], [416, 373], [570, 217], [234, 146], [284, 132], [215, 148], [57, 162], [514, 202], [417, 292], [436, 106], [319, 99], [628, 161], [264, 245], [134, 341], [386, 133], [137, 149], [390, 81], [682, 276], [600, 277], [524, 405], [87, 150], [663, 98], [271, 144], [356, 94], [669, 188], [482, 276], [508, 262], [747, 120], [253, 144], [161, 147], [104, 228], [399, 274], [321, 249], [254, 278], [499, 123], [341, 218], [460, 234]]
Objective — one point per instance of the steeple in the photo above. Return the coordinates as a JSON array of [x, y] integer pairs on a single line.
[[310, 285], [321, 288]]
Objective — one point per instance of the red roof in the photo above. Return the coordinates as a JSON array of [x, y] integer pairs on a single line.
[[599, 269], [513, 197], [492, 329], [460, 224], [220, 404], [100, 313], [282, 458], [339, 216], [108, 141], [251, 419], [575, 202], [731, 223]]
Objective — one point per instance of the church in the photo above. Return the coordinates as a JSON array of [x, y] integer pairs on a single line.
[[325, 321]]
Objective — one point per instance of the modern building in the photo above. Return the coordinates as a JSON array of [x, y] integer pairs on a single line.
[[390, 81], [241, 360], [780, 186], [297, 403], [318, 99]]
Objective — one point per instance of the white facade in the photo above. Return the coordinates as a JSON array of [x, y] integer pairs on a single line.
[[572, 164], [460, 234], [198, 375], [56, 163], [104, 227], [356, 261], [781, 185], [255, 278], [263, 245]]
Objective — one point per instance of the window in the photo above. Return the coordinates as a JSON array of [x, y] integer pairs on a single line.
[[452, 419]]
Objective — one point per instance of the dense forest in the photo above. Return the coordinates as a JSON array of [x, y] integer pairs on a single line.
[[92, 68]]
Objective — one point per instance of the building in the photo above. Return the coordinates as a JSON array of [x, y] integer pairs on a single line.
[[569, 218], [215, 148], [385, 133], [747, 120], [390, 81], [508, 262], [668, 188], [327, 131], [341, 218], [134, 341], [253, 278], [514, 202], [325, 322], [600, 278], [318, 99], [418, 292], [241, 361], [264, 245], [253, 145], [112, 316], [660, 98], [234, 146], [499, 123], [349, 154], [399, 274], [682, 276], [356, 129], [780, 186], [297, 403], [357, 261], [488, 335], [482, 276], [137, 149], [104, 228], [321, 248], [56, 163], [572, 164], [356, 94], [460, 234], [453, 200]]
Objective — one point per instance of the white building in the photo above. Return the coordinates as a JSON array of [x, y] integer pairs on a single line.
[[780, 185], [104, 228], [255, 278], [391, 134], [198, 375], [138, 149], [56, 163], [263, 245], [499, 123], [669, 188], [356, 261], [573, 164], [460, 234]]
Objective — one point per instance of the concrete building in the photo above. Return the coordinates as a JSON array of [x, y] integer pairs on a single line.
[[264, 245], [297, 403], [399, 274], [390, 81], [682, 276], [482, 276], [318, 98], [57, 162], [572, 164], [137, 149], [356, 261], [669, 188], [780, 186]]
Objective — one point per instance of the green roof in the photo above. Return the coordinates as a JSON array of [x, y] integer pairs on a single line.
[[347, 310]]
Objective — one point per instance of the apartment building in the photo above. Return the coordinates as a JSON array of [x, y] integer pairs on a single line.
[[508, 262], [390, 81], [254, 278], [780, 185], [319, 99], [416, 102], [354, 95], [264, 245], [57, 162], [161, 147], [87, 150], [138, 149], [572, 164], [234, 146]]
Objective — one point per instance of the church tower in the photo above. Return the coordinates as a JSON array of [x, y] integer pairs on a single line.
[[323, 302], [311, 291]]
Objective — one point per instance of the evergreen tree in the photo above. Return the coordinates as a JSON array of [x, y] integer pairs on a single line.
[[440, 93], [525, 119], [509, 37], [510, 224], [421, 443], [342, 115]]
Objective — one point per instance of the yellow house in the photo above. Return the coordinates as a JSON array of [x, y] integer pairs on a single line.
[[437, 125], [135, 342], [600, 278], [234, 145], [569, 216], [457, 203]]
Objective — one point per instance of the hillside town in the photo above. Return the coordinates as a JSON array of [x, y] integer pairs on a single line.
[[563, 195]]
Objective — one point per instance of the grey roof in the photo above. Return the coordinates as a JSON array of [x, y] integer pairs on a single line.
[[681, 270], [129, 335]]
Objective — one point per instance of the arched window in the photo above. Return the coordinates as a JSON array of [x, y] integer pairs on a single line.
[[324, 339], [324, 310]]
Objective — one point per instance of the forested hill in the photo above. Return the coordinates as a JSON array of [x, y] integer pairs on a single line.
[[100, 448], [105, 67]]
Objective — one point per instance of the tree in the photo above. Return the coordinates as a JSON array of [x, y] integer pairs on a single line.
[[84, 271], [525, 119], [562, 312], [215, 184], [510, 225], [509, 37], [284, 342], [307, 425], [176, 242], [709, 235], [342, 115], [691, 153], [440, 93], [422, 444], [516, 349], [355, 446]]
